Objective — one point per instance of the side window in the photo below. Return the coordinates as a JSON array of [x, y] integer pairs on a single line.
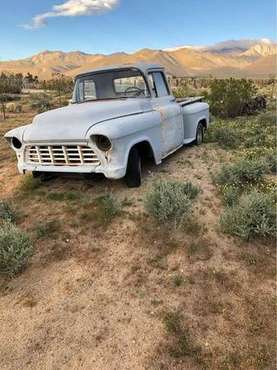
[[89, 90], [86, 90], [157, 79]]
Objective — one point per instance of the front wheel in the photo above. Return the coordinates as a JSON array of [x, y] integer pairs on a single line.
[[199, 134], [133, 172]]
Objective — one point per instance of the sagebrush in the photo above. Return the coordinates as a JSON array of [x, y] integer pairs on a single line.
[[254, 215], [15, 249], [7, 213], [170, 201], [243, 172]]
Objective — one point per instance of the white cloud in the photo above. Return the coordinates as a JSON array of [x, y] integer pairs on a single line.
[[242, 44], [73, 8]]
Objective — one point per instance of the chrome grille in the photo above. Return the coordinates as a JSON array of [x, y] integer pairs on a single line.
[[60, 155]]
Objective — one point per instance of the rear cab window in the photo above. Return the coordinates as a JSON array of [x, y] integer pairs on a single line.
[[130, 85]]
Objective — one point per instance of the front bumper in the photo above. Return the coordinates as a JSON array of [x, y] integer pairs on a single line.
[[109, 172], [108, 166]]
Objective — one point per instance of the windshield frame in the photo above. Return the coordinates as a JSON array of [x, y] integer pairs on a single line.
[[76, 98]]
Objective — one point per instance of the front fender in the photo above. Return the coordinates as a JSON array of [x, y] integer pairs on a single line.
[[125, 132], [17, 132]]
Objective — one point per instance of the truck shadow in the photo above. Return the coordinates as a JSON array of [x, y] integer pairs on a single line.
[[94, 180]]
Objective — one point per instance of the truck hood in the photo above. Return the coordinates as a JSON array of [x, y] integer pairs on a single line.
[[72, 123]]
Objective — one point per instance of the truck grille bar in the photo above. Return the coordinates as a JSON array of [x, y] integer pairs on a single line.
[[60, 155]]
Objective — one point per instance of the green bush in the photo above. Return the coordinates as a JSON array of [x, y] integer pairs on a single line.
[[271, 161], [243, 172], [15, 249], [108, 207], [170, 201], [253, 216], [6, 212], [41, 102], [230, 194], [226, 137], [184, 91], [268, 118], [228, 96]]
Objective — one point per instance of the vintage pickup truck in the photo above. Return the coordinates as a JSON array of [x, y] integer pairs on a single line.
[[118, 115]]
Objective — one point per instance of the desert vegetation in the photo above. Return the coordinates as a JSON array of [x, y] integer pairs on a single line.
[[15, 95], [178, 274]]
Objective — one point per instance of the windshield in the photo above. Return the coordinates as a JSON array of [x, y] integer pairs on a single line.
[[115, 84]]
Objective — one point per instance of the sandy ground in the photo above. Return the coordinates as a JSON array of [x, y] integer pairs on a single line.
[[94, 296]]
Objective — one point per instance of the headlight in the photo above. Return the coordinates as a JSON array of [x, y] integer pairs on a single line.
[[102, 142], [16, 143]]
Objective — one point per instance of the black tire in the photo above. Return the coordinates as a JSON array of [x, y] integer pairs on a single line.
[[199, 134], [133, 172], [36, 174]]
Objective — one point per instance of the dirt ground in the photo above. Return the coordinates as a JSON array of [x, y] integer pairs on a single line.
[[95, 296]]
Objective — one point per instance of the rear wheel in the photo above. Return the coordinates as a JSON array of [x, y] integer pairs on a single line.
[[133, 172], [199, 134]]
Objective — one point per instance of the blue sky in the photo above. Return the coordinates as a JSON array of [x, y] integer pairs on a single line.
[[106, 26]]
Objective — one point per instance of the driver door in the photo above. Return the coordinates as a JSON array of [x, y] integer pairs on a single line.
[[172, 127]]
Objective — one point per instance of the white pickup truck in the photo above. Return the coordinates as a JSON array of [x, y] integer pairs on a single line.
[[118, 115]]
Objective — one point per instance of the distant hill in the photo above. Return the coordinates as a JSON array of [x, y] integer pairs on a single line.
[[243, 58]]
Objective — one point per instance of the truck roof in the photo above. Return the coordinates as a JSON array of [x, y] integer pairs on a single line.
[[143, 67]]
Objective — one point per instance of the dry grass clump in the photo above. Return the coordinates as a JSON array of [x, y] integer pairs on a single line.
[[181, 342], [28, 184], [109, 207]]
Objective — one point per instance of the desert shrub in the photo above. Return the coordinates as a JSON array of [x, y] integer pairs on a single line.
[[15, 249], [185, 91], [108, 207], [7, 213], [255, 136], [228, 96], [41, 102], [190, 190], [226, 137], [268, 118], [170, 201], [230, 194], [47, 229], [243, 172], [271, 161], [253, 216]]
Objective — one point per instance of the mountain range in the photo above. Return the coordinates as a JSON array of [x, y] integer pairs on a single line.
[[238, 58]]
